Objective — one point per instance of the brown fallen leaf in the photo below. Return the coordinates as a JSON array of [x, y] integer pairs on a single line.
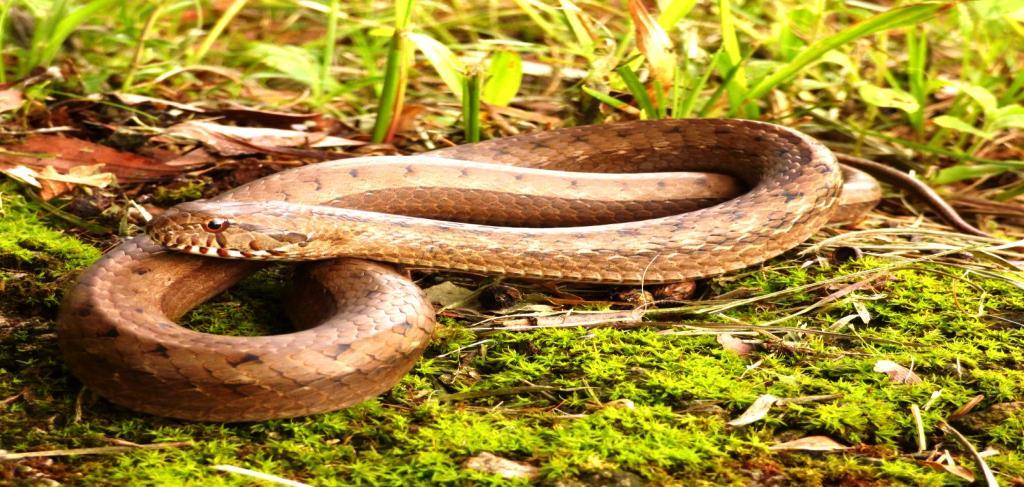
[[63, 153], [735, 345], [232, 141], [810, 443], [896, 372], [132, 99], [757, 411], [10, 100], [264, 118], [54, 184], [489, 463], [957, 470]]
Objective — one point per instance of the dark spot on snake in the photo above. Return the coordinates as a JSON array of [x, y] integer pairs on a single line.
[[723, 130], [354, 173], [139, 271], [84, 311], [249, 357], [463, 172], [759, 138], [111, 333], [519, 177], [661, 184], [573, 183], [791, 196], [341, 349], [409, 169], [159, 349]]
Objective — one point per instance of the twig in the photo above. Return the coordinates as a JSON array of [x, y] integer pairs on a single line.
[[986, 472], [100, 450], [922, 442], [259, 475]]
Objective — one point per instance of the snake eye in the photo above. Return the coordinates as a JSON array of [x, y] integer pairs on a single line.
[[215, 225]]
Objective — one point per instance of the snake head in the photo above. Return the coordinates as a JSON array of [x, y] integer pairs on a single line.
[[232, 230]]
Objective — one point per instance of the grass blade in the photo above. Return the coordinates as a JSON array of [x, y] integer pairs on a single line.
[[733, 59], [685, 108], [890, 19], [504, 76], [471, 105], [610, 101], [675, 11], [216, 31], [638, 91], [444, 61], [392, 96], [330, 40]]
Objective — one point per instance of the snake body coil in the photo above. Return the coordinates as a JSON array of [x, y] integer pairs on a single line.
[[364, 324]]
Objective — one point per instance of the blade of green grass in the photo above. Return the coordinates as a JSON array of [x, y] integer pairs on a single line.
[[675, 11], [444, 61], [471, 105], [890, 19], [685, 108], [5, 7], [612, 102], [732, 61], [917, 65], [330, 41], [50, 34], [140, 47], [396, 75], [638, 91], [216, 31], [504, 76]]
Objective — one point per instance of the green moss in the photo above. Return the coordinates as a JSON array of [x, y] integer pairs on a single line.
[[576, 403], [35, 258]]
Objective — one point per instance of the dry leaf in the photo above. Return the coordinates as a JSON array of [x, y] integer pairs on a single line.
[[63, 153], [265, 118], [897, 373], [488, 463], [132, 99], [232, 141], [734, 344], [52, 183], [957, 470], [810, 443], [10, 100], [654, 43], [757, 411]]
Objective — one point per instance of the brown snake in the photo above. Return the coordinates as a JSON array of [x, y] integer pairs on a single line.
[[362, 324]]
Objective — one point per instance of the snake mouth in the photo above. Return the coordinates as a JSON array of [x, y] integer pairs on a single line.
[[223, 253]]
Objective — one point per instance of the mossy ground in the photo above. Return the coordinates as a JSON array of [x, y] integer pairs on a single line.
[[681, 390]]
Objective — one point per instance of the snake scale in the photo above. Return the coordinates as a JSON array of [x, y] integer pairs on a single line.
[[550, 205]]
